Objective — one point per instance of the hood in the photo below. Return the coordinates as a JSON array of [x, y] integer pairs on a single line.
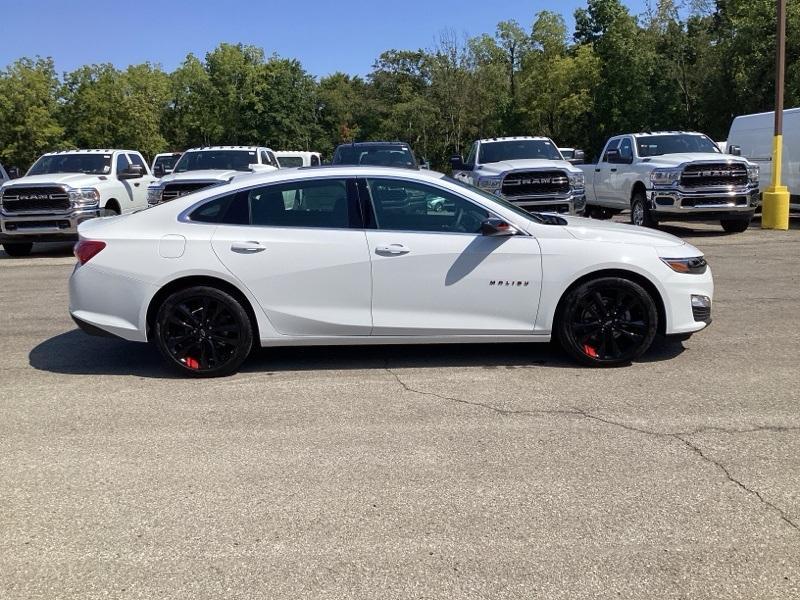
[[619, 233], [71, 179], [213, 175], [505, 166], [674, 160]]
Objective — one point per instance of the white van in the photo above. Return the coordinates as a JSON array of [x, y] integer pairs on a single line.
[[289, 159], [751, 136]]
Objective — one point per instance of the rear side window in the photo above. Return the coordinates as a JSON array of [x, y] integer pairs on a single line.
[[227, 210], [322, 203]]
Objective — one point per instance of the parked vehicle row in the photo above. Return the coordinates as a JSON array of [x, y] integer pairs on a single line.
[[292, 159], [375, 255], [669, 176]]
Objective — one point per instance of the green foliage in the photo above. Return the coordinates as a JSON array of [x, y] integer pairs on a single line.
[[672, 68]]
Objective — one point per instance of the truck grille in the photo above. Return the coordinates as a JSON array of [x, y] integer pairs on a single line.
[[35, 199], [535, 183], [714, 175], [176, 190]]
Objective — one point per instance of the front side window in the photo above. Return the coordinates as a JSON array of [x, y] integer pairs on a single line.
[[122, 163], [412, 206], [473, 152], [492, 152], [625, 150], [612, 145], [138, 160], [90, 164], [316, 203]]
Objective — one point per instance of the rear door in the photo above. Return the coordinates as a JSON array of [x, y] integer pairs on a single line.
[[434, 273], [301, 249]]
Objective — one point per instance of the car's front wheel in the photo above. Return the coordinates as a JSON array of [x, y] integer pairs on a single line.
[[735, 225], [17, 249], [640, 212], [203, 332], [608, 321]]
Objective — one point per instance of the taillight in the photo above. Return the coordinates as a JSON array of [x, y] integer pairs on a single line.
[[86, 249]]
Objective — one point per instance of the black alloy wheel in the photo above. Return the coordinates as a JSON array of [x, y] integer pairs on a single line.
[[203, 332], [608, 321]]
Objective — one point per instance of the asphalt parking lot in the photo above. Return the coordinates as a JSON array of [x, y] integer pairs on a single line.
[[407, 472]]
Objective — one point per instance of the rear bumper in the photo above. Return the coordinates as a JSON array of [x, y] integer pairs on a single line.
[[676, 204], [55, 227]]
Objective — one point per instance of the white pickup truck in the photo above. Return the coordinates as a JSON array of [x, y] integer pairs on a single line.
[[671, 176], [527, 171], [63, 189], [199, 168]]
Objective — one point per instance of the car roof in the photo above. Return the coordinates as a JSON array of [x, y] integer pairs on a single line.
[[89, 151], [296, 153], [199, 148], [646, 133], [514, 137], [323, 171], [374, 144]]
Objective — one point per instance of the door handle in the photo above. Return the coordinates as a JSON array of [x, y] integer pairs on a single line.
[[613, 170], [597, 170], [247, 247], [392, 249], [136, 184]]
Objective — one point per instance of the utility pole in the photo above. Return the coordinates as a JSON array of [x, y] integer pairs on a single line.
[[775, 208]]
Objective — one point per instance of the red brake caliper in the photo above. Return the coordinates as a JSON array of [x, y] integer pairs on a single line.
[[192, 363], [590, 352]]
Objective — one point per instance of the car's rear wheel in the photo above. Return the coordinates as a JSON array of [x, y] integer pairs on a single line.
[[608, 321], [17, 249], [735, 225], [203, 332], [640, 212]]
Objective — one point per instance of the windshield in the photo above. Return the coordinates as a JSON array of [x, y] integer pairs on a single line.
[[385, 156], [492, 152], [656, 145], [216, 160], [496, 199], [289, 162], [90, 164], [568, 154]]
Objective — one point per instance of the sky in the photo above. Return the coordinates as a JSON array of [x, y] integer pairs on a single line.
[[325, 36]]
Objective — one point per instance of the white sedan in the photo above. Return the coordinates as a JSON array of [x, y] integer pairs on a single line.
[[356, 255]]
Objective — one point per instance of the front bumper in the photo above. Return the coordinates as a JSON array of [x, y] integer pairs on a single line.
[[37, 227], [573, 203], [680, 204]]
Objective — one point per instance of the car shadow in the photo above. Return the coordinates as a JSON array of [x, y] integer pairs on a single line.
[[44, 250], [75, 353]]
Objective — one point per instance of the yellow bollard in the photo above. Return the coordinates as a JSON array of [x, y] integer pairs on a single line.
[[775, 199]]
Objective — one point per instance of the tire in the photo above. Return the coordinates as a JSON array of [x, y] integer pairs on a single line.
[[607, 322], [640, 212], [18, 249], [735, 225], [203, 332], [112, 209]]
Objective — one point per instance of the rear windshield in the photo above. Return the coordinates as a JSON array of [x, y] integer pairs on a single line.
[[656, 145], [222, 160], [385, 156], [492, 152], [90, 164], [289, 162]]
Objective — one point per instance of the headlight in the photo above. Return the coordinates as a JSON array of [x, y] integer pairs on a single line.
[[84, 197], [577, 180], [665, 176], [752, 173], [154, 194], [695, 265], [490, 184]]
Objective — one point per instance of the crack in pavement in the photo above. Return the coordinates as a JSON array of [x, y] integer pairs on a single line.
[[681, 436]]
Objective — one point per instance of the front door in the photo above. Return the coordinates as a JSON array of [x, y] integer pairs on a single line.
[[303, 255], [433, 273]]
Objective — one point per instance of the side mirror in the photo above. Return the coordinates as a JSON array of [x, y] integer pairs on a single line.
[[495, 227], [158, 171], [735, 150], [457, 163], [132, 172], [14, 173], [580, 157]]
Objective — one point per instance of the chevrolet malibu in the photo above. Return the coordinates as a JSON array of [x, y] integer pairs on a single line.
[[357, 255]]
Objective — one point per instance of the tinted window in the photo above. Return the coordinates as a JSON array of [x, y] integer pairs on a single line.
[[122, 163], [389, 155], [612, 145], [230, 210], [314, 160], [626, 149], [167, 161], [321, 203], [656, 145], [289, 162], [568, 154], [223, 160], [492, 152], [138, 160], [411, 206], [471, 156]]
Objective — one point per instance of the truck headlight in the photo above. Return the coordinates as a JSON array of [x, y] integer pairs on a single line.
[[490, 184], [577, 180], [84, 197], [665, 176], [154, 194], [752, 173]]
